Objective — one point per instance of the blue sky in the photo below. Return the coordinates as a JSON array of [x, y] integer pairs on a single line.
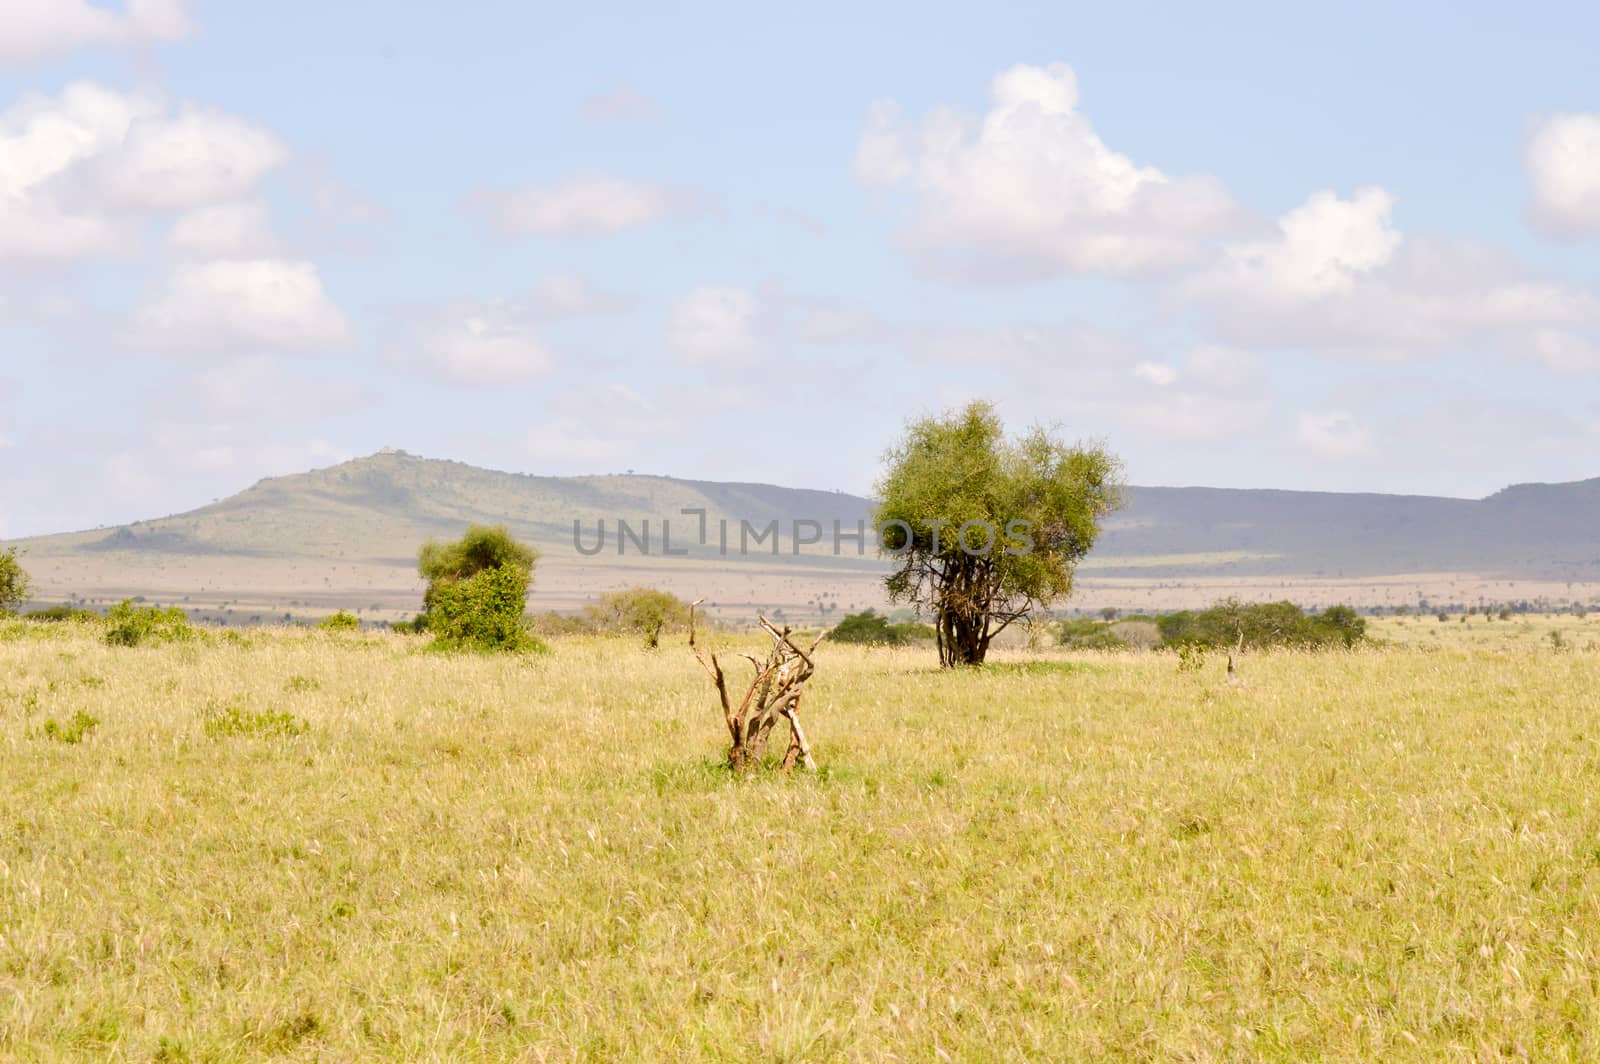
[[1247, 245]]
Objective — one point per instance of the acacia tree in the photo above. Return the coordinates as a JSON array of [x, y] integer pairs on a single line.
[[14, 584], [644, 610], [987, 529]]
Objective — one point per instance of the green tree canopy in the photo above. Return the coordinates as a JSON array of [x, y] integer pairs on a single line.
[[985, 528], [14, 583], [644, 610], [477, 590]]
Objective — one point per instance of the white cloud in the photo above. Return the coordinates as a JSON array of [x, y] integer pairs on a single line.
[[225, 231], [79, 170], [1155, 373], [622, 102], [1321, 248], [246, 305], [484, 343], [1339, 278], [1563, 164], [1335, 434], [581, 205], [720, 326], [1566, 352], [569, 295], [187, 159], [1031, 191], [31, 30]]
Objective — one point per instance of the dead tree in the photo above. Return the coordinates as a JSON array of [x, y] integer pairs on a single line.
[[774, 693]]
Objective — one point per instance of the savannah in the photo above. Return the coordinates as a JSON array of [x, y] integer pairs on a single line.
[[308, 844], [784, 534]]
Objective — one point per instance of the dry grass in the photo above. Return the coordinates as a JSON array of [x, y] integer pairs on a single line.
[[392, 854]]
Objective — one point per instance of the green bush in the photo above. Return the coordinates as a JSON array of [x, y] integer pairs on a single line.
[[222, 719], [14, 582], [73, 731], [57, 614], [482, 612], [1263, 624], [1087, 634], [477, 591], [132, 625], [643, 611], [340, 622], [871, 628]]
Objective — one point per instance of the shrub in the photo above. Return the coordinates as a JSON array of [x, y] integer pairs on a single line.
[[14, 582], [57, 614], [73, 731], [482, 612], [477, 591], [340, 622], [222, 719], [643, 611], [132, 624], [870, 628], [1263, 624], [1086, 634]]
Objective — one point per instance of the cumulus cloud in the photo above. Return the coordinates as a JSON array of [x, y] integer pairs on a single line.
[[1563, 165], [622, 102], [254, 305], [483, 345], [225, 231], [31, 30], [1031, 191], [1339, 278], [1335, 434], [80, 169], [717, 326], [581, 205]]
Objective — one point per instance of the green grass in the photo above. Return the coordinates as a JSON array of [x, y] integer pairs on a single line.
[[1392, 854]]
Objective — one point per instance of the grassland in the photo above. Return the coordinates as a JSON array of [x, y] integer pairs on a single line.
[[305, 846]]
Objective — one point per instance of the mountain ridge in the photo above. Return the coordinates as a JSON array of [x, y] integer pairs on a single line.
[[357, 525]]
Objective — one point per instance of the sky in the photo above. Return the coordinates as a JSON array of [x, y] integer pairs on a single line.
[[1350, 248]]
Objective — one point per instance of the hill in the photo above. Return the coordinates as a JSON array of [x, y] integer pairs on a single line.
[[346, 536]]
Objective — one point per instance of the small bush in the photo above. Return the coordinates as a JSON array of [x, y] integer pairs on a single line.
[[132, 625], [642, 611], [870, 628], [1264, 624], [73, 731], [340, 622], [60, 614], [1086, 634], [223, 719], [298, 684]]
